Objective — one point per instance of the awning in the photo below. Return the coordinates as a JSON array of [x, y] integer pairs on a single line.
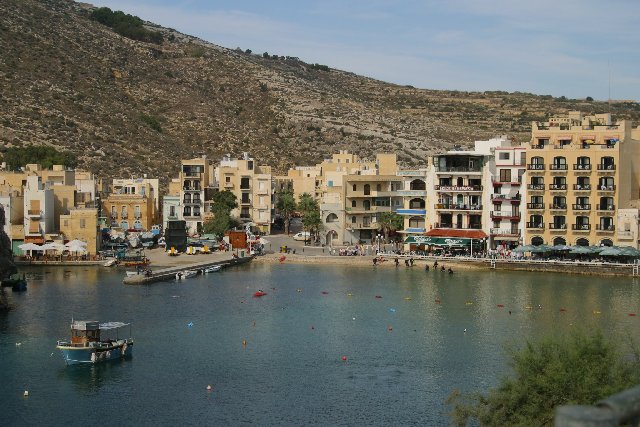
[[450, 242], [506, 238], [453, 232], [112, 325], [564, 138]]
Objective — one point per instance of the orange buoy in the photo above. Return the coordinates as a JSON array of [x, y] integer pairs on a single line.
[[244, 343], [500, 305], [632, 314], [282, 258]]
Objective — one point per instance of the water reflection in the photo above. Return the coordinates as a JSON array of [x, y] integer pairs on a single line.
[[93, 377]]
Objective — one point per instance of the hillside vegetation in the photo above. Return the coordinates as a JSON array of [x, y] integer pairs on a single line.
[[126, 106]]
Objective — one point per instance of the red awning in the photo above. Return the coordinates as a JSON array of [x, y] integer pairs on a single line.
[[450, 232]]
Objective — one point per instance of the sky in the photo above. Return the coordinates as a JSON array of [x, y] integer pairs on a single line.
[[572, 48]]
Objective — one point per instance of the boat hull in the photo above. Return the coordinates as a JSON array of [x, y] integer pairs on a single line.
[[91, 355]]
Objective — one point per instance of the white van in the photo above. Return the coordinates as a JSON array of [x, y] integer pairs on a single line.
[[302, 236]]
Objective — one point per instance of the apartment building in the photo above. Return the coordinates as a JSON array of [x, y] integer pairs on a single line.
[[507, 168], [38, 210], [252, 186], [196, 182], [580, 172], [415, 200], [82, 224], [132, 203]]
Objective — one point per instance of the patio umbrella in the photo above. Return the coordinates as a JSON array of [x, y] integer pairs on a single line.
[[76, 248], [30, 247], [522, 249], [580, 250], [561, 248], [629, 251], [75, 242], [596, 249], [540, 249], [612, 251]]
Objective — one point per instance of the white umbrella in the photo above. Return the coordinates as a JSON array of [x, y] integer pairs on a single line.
[[30, 247], [77, 248], [264, 241], [76, 242]]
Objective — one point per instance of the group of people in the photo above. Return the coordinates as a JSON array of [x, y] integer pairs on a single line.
[[442, 268], [408, 262]]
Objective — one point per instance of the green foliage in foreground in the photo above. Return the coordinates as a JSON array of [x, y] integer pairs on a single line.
[[151, 121], [46, 156], [126, 25], [579, 369]]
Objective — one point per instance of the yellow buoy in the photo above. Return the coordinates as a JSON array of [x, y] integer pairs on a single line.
[[26, 393], [468, 303], [407, 298], [349, 295], [597, 312]]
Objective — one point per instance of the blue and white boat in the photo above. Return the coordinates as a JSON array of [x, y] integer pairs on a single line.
[[87, 345]]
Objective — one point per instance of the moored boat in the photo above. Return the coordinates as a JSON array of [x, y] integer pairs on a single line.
[[87, 345], [186, 274], [111, 262], [212, 269]]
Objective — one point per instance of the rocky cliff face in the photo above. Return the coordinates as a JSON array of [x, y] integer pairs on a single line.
[[127, 107], [7, 267]]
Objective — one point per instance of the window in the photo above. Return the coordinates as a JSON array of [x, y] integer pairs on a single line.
[[172, 211], [505, 175], [353, 203], [227, 179], [378, 187], [83, 223], [504, 156], [355, 187], [66, 222]]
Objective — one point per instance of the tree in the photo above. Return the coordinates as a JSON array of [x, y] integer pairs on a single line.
[[224, 200], [310, 210], [579, 369], [307, 203], [388, 222], [286, 204], [45, 156]]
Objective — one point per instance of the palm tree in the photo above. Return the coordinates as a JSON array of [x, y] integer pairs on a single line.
[[388, 222], [286, 204]]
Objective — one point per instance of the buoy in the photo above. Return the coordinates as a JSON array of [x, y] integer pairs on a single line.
[[632, 314], [209, 388], [465, 330], [389, 328], [407, 298], [190, 324], [244, 343], [26, 393], [379, 296], [392, 310], [344, 358], [501, 305], [313, 327], [282, 258], [18, 344], [597, 312], [562, 310]]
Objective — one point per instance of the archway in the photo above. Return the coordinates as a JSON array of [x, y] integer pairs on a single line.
[[582, 242], [537, 241], [332, 218], [559, 241], [417, 184], [332, 238], [606, 242]]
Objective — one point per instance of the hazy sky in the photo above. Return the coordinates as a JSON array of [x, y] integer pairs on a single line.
[[575, 48]]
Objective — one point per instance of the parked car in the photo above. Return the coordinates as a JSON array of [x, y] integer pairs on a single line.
[[302, 236]]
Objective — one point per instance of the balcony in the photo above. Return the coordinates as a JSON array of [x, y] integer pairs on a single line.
[[228, 185], [606, 188], [558, 187], [501, 232], [411, 212], [583, 187], [535, 187], [606, 168], [457, 207], [245, 202], [606, 208], [124, 216], [535, 206], [606, 228], [553, 226], [458, 188], [535, 167], [625, 234], [245, 216], [191, 174], [535, 226], [34, 213], [581, 227], [581, 207], [475, 226], [363, 226], [582, 167], [463, 169], [558, 207], [505, 215], [499, 198], [558, 167], [368, 209]]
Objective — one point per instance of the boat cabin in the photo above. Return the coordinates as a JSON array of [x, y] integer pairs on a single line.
[[85, 331]]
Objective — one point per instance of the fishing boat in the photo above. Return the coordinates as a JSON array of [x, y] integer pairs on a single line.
[[111, 262], [87, 345], [258, 294], [186, 274], [212, 269]]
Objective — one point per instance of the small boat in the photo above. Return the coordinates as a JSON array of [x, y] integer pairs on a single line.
[[19, 286], [88, 346], [186, 274], [259, 294], [111, 262], [212, 269]]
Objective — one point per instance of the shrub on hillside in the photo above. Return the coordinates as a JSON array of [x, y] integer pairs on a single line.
[[126, 25], [16, 157]]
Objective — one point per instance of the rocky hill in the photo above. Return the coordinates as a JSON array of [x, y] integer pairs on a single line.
[[127, 107]]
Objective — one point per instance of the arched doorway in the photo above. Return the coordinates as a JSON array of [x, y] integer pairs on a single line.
[[559, 241], [606, 242], [582, 242], [332, 238], [537, 241]]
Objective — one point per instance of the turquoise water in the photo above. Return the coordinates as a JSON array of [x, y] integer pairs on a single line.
[[404, 356]]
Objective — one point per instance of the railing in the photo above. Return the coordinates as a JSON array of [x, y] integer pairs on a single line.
[[558, 167], [606, 188], [581, 207], [581, 167], [625, 234], [620, 409], [583, 187], [34, 212], [535, 167], [191, 174], [504, 214], [535, 187], [228, 185], [460, 207], [474, 226], [606, 207], [600, 227], [504, 197], [557, 186], [536, 225], [602, 167], [537, 147], [535, 205], [558, 206], [553, 226], [500, 232], [457, 169], [457, 188], [581, 227]]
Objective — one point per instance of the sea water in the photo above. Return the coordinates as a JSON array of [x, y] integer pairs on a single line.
[[327, 345]]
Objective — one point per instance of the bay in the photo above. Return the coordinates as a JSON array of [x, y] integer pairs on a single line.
[[401, 330]]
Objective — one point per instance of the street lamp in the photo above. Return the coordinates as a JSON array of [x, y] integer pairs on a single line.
[[379, 238]]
